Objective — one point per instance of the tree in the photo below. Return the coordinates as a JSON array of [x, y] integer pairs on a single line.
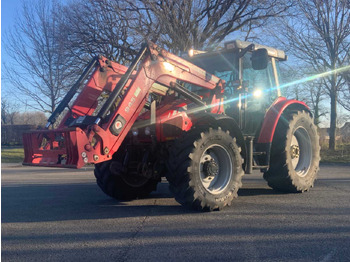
[[116, 29], [318, 33], [8, 112], [99, 27], [181, 24], [317, 96], [11, 116], [52, 42], [345, 92], [31, 118], [312, 93], [40, 68]]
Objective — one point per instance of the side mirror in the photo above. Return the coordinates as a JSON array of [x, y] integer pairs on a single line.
[[260, 59]]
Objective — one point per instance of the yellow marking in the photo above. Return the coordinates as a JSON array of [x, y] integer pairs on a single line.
[[137, 92]]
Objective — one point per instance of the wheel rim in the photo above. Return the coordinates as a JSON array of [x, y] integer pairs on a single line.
[[215, 169], [301, 151]]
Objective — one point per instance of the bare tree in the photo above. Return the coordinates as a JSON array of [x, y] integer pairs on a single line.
[[10, 115], [319, 35], [317, 94], [30, 118], [8, 112], [99, 27], [181, 24], [117, 28], [312, 93], [40, 67], [51, 43], [344, 99]]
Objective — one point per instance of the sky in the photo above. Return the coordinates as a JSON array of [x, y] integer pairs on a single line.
[[8, 13], [9, 10]]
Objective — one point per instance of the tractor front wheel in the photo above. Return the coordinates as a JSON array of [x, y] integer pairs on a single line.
[[205, 169], [295, 154], [123, 183]]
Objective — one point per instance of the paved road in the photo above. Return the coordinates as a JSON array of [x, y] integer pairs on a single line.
[[61, 215]]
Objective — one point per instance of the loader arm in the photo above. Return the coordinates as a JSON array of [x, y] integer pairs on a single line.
[[90, 133]]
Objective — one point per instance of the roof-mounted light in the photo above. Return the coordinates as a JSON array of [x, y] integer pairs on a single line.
[[193, 52]]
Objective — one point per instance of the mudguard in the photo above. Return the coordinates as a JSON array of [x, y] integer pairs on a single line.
[[226, 123], [273, 115], [268, 127]]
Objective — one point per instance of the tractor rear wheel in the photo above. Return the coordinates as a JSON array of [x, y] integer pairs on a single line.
[[295, 154], [123, 183], [205, 169]]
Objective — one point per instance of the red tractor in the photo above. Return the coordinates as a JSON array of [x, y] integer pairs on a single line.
[[201, 122]]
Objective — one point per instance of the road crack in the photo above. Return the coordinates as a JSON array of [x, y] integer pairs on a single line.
[[132, 239]]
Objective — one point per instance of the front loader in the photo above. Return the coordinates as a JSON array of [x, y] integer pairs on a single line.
[[202, 122]]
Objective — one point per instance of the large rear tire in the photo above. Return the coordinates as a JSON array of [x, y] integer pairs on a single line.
[[123, 183], [295, 154], [205, 169]]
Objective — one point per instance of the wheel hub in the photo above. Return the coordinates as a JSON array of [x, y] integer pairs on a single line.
[[215, 169], [294, 151], [210, 169], [301, 151]]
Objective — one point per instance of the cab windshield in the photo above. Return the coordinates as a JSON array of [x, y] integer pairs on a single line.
[[256, 84], [248, 92]]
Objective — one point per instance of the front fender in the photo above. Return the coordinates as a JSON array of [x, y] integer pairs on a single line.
[[226, 123]]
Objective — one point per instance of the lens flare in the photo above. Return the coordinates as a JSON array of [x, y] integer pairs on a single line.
[[296, 82], [300, 81], [257, 93], [311, 78]]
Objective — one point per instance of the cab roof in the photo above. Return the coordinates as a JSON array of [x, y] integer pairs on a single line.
[[239, 45]]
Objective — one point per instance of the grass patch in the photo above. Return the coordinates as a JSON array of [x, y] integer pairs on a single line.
[[340, 155], [12, 155]]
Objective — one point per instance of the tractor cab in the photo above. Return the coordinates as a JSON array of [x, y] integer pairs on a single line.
[[251, 74]]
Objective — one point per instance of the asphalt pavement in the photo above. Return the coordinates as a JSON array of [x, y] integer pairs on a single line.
[[51, 214]]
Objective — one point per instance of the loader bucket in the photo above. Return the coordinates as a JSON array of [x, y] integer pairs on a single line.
[[54, 148]]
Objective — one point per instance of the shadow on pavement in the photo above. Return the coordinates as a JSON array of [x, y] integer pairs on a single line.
[[37, 203], [258, 191], [61, 202]]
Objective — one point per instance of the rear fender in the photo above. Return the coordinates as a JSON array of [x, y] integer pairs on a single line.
[[273, 115]]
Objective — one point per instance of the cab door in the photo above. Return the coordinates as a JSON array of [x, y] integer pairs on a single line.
[[260, 90]]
